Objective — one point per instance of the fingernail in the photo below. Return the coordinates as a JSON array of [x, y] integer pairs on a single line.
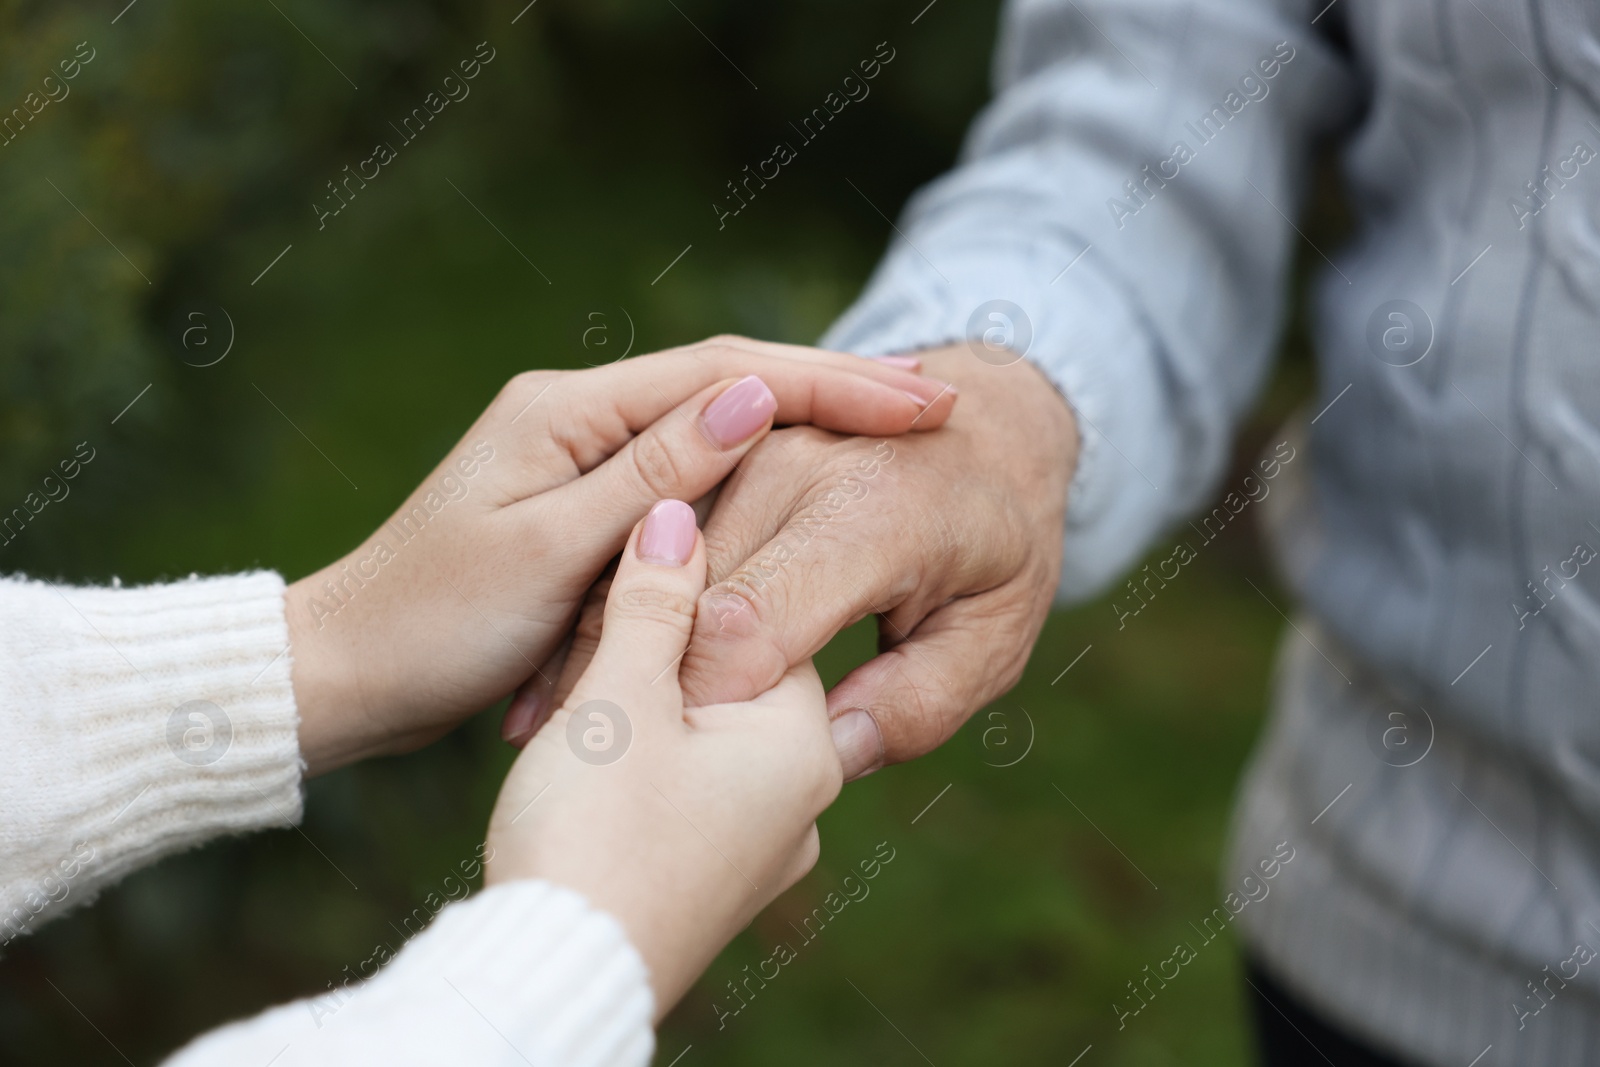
[[858, 742], [522, 714], [921, 402], [903, 362], [668, 535], [742, 409]]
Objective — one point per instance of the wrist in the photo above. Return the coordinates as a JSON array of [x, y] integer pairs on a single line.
[[329, 706], [677, 919], [677, 939], [675, 900], [1016, 401]]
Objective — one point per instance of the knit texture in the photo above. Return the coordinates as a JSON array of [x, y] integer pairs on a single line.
[[137, 723], [1386, 918], [523, 973], [1129, 195]]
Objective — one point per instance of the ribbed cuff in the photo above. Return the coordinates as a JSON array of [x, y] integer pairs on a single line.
[[558, 978], [139, 722]]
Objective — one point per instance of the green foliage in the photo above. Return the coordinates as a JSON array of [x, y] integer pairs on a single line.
[[593, 146]]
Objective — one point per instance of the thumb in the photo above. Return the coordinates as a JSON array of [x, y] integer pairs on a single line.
[[913, 697], [682, 456], [649, 613]]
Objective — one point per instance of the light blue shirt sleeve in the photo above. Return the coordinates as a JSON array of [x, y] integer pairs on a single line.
[[1127, 196]]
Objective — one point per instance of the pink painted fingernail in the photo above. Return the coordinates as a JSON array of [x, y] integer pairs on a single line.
[[742, 409], [903, 362], [668, 535]]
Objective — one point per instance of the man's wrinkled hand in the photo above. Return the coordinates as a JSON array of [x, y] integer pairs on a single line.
[[953, 539]]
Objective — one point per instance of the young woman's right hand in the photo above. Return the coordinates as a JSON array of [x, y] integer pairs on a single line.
[[476, 580], [681, 823]]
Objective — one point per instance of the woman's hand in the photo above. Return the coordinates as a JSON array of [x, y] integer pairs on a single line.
[[478, 576], [683, 824], [953, 539]]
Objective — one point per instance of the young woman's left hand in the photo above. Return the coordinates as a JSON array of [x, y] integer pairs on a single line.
[[477, 578], [682, 823]]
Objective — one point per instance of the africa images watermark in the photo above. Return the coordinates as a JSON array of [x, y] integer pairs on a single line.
[[999, 333], [384, 152], [1527, 1007], [1210, 528], [1545, 189], [33, 104], [1525, 609], [56, 489], [1142, 190], [855, 90], [199, 733], [324, 1006], [53, 888], [996, 739], [599, 732], [784, 954], [1254, 890]]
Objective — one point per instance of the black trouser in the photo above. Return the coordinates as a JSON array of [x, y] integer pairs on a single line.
[[1291, 1034]]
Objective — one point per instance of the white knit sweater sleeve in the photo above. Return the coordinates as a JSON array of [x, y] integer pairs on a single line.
[[135, 723], [524, 973]]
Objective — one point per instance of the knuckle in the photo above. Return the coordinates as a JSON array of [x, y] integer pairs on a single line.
[[851, 470], [723, 341], [516, 401], [791, 445], [917, 707], [786, 456], [715, 352], [734, 654], [922, 721], [660, 468], [523, 387], [731, 609], [803, 438], [728, 539], [668, 607]]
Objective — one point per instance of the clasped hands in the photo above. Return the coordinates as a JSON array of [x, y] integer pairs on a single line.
[[885, 494]]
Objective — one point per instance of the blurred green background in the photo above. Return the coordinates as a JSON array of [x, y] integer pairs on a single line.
[[187, 156]]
